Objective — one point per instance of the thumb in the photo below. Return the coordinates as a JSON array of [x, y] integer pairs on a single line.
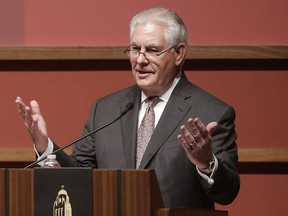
[[211, 126], [35, 107]]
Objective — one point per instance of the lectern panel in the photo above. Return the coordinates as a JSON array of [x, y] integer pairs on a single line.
[[86, 192], [63, 191], [140, 193], [2, 192], [105, 192], [20, 196], [126, 192]]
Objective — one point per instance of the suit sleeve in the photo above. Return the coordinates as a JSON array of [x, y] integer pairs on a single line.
[[226, 179], [83, 154]]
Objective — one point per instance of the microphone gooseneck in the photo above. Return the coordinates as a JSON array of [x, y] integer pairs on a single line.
[[129, 106]]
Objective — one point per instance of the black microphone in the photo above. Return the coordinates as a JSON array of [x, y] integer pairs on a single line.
[[129, 106]]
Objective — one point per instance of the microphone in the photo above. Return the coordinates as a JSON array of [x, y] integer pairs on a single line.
[[129, 106]]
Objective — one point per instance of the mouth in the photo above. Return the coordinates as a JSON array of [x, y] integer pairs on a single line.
[[141, 72]]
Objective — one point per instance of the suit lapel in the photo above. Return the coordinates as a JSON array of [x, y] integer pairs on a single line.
[[175, 110], [129, 125]]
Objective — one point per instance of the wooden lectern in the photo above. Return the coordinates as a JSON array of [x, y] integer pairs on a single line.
[[115, 193]]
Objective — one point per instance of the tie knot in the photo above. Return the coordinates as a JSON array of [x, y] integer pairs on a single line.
[[152, 101]]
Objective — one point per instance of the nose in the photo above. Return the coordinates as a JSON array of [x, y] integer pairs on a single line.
[[141, 59]]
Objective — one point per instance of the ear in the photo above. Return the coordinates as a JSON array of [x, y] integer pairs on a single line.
[[180, 51]]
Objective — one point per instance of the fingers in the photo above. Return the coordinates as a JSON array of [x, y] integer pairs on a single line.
[[187, 146], [23, 110], [34, 122], [196, 133], [198, 130], [187, 139], [21, 105], [197, 141], [28, 113]]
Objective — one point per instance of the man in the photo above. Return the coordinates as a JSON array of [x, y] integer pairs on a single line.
[[195, 172]]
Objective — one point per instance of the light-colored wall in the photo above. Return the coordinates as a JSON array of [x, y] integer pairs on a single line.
[[260, 97]]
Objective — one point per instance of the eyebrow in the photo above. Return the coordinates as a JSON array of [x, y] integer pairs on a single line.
[[148, 46]]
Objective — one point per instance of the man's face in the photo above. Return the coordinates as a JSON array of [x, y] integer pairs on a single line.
[[153, 76]]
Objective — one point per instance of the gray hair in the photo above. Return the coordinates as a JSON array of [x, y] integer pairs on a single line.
[[176, 31]]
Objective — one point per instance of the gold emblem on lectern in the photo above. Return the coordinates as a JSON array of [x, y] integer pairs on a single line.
[[62, 205]]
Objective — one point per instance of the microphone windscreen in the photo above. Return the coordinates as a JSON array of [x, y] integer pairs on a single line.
[[128, 107]]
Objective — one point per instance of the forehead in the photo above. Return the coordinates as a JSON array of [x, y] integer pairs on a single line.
[[149, 33]]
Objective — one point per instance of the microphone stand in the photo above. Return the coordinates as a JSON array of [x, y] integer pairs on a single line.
[[128, 107]]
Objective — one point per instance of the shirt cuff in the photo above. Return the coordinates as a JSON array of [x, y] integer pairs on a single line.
[[48, 151], [206, 177]]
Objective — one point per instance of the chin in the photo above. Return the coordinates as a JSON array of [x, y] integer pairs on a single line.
[[148, 90], [143, 83]]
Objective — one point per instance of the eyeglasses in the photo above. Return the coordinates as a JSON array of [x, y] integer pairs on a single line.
[[150, 53]]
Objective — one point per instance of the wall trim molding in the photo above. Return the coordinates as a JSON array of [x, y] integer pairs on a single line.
[[113, 58], [251, 160]]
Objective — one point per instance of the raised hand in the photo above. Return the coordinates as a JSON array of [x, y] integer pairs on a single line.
[[34, 122], [196, 139]]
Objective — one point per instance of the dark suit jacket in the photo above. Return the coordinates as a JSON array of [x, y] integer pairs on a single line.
[[180, 184]]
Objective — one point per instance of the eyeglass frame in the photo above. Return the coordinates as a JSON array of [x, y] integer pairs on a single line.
[[157, 54]]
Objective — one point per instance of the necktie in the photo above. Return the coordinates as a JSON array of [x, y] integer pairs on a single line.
[[146, 129]]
